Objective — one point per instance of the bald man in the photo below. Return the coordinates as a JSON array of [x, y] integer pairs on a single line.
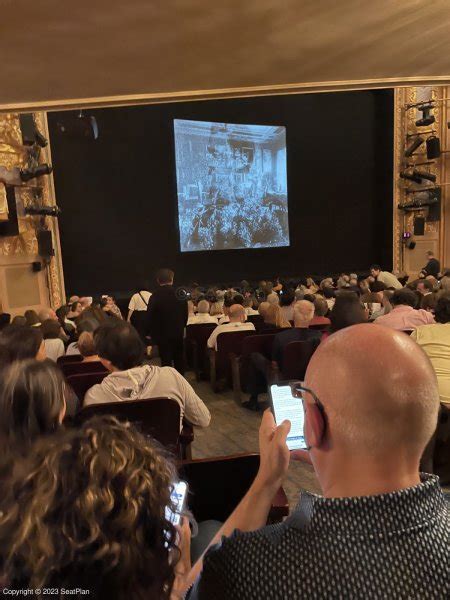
[[237, 316], [381, 529]]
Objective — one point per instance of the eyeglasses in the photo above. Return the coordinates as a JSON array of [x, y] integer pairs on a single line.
[[298, 390]]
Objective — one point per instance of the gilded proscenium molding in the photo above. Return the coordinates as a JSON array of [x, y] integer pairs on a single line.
[[13, 154]]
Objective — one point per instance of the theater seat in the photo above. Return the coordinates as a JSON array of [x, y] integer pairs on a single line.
[[296, 357], [80, 367], [261, 343], [82, 382], [71, 358], [228, 344], [196, 337], [156, 417], [217, 485]]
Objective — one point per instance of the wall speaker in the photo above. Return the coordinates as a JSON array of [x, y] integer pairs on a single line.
[[419, 226], [45, 243], [36, 266], [27, 128]]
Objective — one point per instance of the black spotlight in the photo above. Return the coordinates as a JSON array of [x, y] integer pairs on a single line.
[[414, 145], [433, 147], [424, 175], [411, 177], [427, 117]]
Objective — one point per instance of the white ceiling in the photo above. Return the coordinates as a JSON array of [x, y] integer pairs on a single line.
[[55, 52]]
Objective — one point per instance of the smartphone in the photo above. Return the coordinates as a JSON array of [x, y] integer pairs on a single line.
[[178, 497], [286, 406]]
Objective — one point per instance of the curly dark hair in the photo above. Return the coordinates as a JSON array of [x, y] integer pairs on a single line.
[[442, 309], [86, 509]]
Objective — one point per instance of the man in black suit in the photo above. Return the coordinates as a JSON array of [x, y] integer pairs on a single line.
[[167, 317], [432, 267]]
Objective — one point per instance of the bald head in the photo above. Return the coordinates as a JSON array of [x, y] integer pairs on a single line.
[[379, 392], [203, 307], [303, 313], [236, 313], [262, 308]]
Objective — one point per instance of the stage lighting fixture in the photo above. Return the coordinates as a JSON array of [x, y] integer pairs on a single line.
[[413, 146], [43, 211], [410, 177], [424, 175], [410, 244], [427, 117], [27, 174], [79, 126], [433, 147]]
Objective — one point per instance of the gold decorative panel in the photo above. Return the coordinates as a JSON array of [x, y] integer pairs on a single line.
[[22, 290]]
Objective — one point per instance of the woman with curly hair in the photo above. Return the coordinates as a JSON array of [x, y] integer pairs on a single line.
[[273, 318], [87, 509]]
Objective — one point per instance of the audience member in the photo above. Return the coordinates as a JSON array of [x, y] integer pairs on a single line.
[[432, 267], [109, 306], [67, 325], [377, 510], [262, 308], [86, 347], [20, 343], [32, 318], [75, 310], [445, 284], [19, 321], [329, 294], [86, 302], [215, 309], [228, 302], [273, 298], [287, 300], [237, 322], [428, 302], [73, 299], [5, 319], [320, 310], [167, 315], [435, 341], [80, 517], [54, 346], [389, 280], [273, 318], [347, 311], [86, 324], [425, 287], [202, 315], [122, 352], [137, 309], [403, 315]]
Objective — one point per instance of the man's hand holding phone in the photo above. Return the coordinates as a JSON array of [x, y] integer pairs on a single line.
[[274, 453]]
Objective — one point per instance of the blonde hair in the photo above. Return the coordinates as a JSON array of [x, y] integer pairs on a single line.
[[274, 316]]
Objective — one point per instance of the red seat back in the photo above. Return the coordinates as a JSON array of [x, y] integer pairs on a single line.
[[261, 343], [257, 321], [79, 368], [228, 343], [157, 417], [71, 358], [296, 357], [82, 382], [196, 337]]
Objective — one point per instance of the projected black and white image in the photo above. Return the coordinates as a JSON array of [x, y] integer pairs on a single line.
[[231, 184]]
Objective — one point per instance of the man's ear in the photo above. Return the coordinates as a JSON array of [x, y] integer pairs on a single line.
[[107, 364], [314, 428]]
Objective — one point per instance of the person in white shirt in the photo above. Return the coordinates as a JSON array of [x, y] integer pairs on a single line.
[[122, 352], [54, 346], [202, 315], [389, 279], [137, 310], [237, 323]]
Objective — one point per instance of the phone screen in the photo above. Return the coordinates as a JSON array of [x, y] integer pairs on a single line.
[[286, 406], [178, 498]]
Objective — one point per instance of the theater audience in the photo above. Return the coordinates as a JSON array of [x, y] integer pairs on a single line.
[[435, 341], [215, 309], [86, 347], [122, 352], [425, 287], [54, 346], [20, 343], [403, 315], [377, 511], [167, 315], [249, 303], [389, 280], [75, 310], [273, 298], [347, 311], [432, 267], [87, 324], [237, 322], [228, 302], [67, 325], [262, 308], [80, 517], [108, 305], [329, 294], [86, 302], [202, 315]]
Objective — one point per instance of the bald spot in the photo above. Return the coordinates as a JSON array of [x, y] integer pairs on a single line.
[[303, 311], [236, 312], [378, 389]]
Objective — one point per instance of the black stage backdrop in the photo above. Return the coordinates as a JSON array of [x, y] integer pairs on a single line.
[[119, 201]]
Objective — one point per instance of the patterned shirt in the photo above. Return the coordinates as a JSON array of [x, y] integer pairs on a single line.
[[388, 546]]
